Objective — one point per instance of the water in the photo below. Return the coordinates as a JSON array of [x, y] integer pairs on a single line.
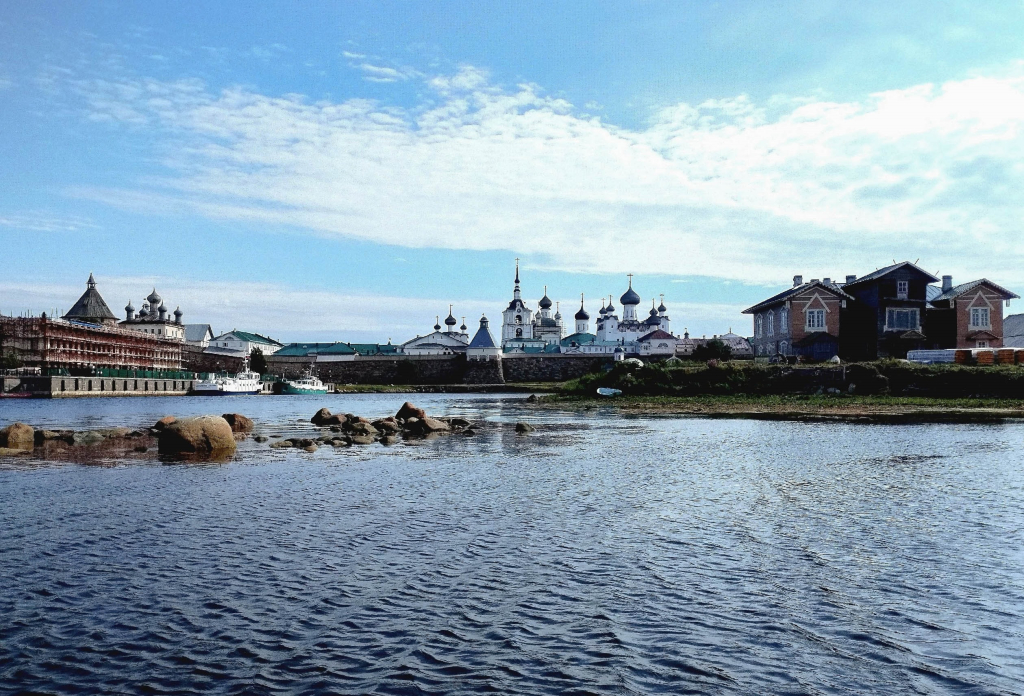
[[600, 554]]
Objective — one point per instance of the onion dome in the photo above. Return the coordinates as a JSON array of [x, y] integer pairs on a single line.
[[144, 312], [662, 308], [450, 320], [545, 302], [129, 307], [582, 314], [154, 299], [463, 327], [178, 312], [630, 297], [610, 309], [437, 323], [653, 312]]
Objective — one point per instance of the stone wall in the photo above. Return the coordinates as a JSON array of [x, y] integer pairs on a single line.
[[550, 368], [195, 359], [440, 369], [408, 369]]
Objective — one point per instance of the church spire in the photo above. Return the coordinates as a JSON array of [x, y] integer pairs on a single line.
[[516, 293]]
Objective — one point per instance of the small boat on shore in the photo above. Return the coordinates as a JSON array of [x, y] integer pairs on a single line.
[[307, 384], [243, 383]]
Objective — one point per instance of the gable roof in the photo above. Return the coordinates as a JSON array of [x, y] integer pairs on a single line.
[[657, 335], [250, 337], [882, 272], [964, 287], [790, 292], [578, 338], [1013, 331], [197, 332]]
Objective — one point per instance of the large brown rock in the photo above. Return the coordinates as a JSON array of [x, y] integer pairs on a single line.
[[164, 422], [388, 426], [18, 436], [320, 416], [363, 429], [238, 422], [426, 426], [201, 435], [409, 411]]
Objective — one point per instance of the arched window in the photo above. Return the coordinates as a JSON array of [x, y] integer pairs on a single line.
[[519, 319], [771, 324], [519, 333], [783, 320], [759, 324]]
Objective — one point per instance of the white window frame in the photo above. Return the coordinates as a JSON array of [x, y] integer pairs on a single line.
[[759, 322], [979, 312], [981, 344], [783, 321], [771, 323], [814, 320], [902, 289], [891, 312]]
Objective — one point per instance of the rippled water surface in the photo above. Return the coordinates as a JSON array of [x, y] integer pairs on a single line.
[[599, 554]]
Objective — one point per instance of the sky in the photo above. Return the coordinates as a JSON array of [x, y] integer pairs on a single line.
[[346, 171]]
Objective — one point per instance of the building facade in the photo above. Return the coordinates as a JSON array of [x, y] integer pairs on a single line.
[[804, 320], [969, 315]]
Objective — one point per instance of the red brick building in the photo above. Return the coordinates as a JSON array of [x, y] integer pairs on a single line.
[[969, 315], [804, 320]]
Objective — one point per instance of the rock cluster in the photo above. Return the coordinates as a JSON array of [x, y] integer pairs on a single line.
[[199, 435], [344, 430]]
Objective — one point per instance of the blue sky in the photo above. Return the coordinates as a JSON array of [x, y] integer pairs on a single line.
[[346, 170]]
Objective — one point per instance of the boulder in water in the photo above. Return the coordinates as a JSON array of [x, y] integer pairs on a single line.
[[363, 429], [320, 416], [201, 435], [409, 411], [523, 428], [238, 422], [164, 422], [18, 436]]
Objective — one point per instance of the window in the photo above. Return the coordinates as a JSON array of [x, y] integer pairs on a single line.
[[815, 319], [902, 320], [783, 320], [902, 289], [981, 344], [980, 317], [771, 324], [760, 320]]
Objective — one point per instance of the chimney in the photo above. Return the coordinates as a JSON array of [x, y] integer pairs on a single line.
[[827, 281], [814, 280], [947, 283], [798, 280], [850, 279]]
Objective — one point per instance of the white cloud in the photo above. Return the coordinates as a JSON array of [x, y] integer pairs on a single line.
[[38, 221], [728, 188]]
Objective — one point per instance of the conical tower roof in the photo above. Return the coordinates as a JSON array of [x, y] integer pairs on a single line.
[[483, 338], [90, 306]]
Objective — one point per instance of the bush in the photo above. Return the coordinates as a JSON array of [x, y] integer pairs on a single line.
[[712, 350], [257, 361]]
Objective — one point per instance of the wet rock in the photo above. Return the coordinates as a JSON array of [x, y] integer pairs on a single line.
[[114, 433], [363, 429], [363, 439], [310, 448], [335, 428], [523, 428], [341, 442], [18, 436], [201, 435], [324, 418], [51, 435], [13, 452], [531, 399], [459, 422], [409, 411], [87, 438], [389, 440], [387, 426], [261, 438], [164, 422], [140, 449], [469, 431], [301, 441], [238, 422], [281, 444]]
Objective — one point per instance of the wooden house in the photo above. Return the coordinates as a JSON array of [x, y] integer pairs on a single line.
[[887, 317]]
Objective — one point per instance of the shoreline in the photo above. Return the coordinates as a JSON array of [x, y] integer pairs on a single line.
[[850, 409]]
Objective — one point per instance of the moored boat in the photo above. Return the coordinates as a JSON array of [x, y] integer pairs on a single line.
[[243, 383], [307, 384]]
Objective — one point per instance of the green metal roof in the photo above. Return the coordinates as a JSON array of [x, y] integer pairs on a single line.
[[253, 338], [374, 348], [304, 349]]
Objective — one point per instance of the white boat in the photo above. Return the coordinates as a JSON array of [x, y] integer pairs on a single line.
[[308, 384], [245, 382], [607, 391]]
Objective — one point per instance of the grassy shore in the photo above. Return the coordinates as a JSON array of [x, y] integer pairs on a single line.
[[887, 409], [515, 387]]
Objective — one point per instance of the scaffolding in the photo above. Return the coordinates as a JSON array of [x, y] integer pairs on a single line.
[[58, 343]]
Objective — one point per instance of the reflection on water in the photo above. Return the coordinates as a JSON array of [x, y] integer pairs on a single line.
[[599, 554]]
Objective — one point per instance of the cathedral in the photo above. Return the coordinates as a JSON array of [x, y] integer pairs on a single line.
[[525, 331]]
